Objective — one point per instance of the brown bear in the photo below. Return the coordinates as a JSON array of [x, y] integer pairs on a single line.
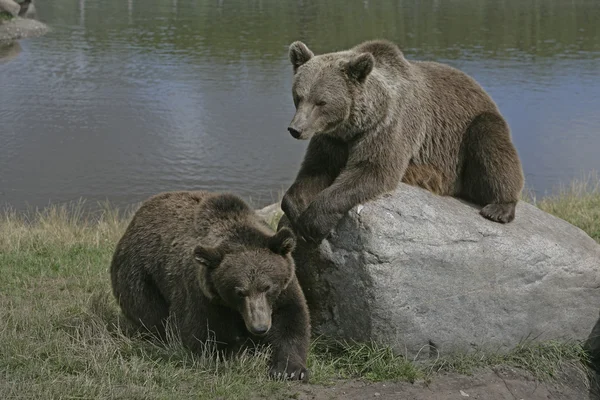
[[376, 119], [27, 9], [212, 266]]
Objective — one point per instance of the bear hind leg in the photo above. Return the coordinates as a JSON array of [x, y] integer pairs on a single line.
[[499, 212], [144, 306], [492, 175]]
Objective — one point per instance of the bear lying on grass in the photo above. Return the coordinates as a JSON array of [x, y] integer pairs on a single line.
[[375, 119], [207, 261]]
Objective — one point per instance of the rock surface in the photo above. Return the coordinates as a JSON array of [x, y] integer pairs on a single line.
[[21, 28], [10, 6], [428, 275], [270, 213]]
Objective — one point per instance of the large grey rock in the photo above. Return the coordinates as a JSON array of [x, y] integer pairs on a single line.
[[270, 214], [10, 6], [21, 28], [428, 275]]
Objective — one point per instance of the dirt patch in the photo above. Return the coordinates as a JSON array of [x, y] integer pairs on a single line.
[[499, 383]]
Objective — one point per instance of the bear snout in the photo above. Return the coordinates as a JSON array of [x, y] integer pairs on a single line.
[[301, 123], [257, 314], [260, 330], [294, 132]]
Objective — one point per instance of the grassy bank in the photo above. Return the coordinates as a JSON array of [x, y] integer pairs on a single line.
[[577, 203], [60, 335]]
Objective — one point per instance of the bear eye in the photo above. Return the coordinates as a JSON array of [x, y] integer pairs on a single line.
[[240, 293], [266, 288], [321, 103]]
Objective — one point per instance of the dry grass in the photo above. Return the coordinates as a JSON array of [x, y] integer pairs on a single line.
[[61, 226], [577, 203], [61, 334]]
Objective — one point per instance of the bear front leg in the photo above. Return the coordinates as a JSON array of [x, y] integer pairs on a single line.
[[302, 192], [206, 327], [290, 335], [324, 159], [316, 222], [357, 184]]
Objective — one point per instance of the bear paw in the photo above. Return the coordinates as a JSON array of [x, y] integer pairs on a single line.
[[502, 213], [313, 226], [289, 371]]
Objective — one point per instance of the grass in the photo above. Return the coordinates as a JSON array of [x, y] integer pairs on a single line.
[[5, 17], [577, 203], [60, 333], [544, 360]]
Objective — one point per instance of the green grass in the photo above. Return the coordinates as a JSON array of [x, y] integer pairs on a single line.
[[333, 359], [544, 360], [60, 329], [5, 17]]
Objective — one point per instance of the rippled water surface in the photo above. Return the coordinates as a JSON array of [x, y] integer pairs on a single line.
[[128, 98]]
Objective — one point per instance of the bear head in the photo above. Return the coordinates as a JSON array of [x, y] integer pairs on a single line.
[[249, 280], [332, 92]]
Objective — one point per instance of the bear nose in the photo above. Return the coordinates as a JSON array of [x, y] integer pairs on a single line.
[[294, 132], [260, 330]]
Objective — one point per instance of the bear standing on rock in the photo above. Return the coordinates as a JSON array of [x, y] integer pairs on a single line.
[[207, 261], [376, 119]]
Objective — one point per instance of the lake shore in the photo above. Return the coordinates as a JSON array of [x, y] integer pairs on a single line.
[[61, 334]]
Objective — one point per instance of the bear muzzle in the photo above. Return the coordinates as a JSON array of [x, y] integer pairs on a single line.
[[257, 314], [294, 132], [300, 126]]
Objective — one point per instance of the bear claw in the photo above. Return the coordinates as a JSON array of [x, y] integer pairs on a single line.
[[299, 373]]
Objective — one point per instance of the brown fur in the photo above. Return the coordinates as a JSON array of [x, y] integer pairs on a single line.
[[27, 9], [425, 176], [375, 119], [209, 263]]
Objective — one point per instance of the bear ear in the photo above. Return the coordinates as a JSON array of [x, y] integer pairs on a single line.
[[283, 242], [360, 67], [299, 54], [209, 256]]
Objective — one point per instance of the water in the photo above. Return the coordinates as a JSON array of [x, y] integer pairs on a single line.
[[125, 99]]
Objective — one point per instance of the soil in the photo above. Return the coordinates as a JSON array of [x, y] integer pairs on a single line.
[[499, 383]]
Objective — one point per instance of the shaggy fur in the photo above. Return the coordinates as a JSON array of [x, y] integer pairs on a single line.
[[376, 119], [27, 9], [209, 263]]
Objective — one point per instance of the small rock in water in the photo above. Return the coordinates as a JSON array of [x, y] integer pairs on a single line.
[[21, 28]]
